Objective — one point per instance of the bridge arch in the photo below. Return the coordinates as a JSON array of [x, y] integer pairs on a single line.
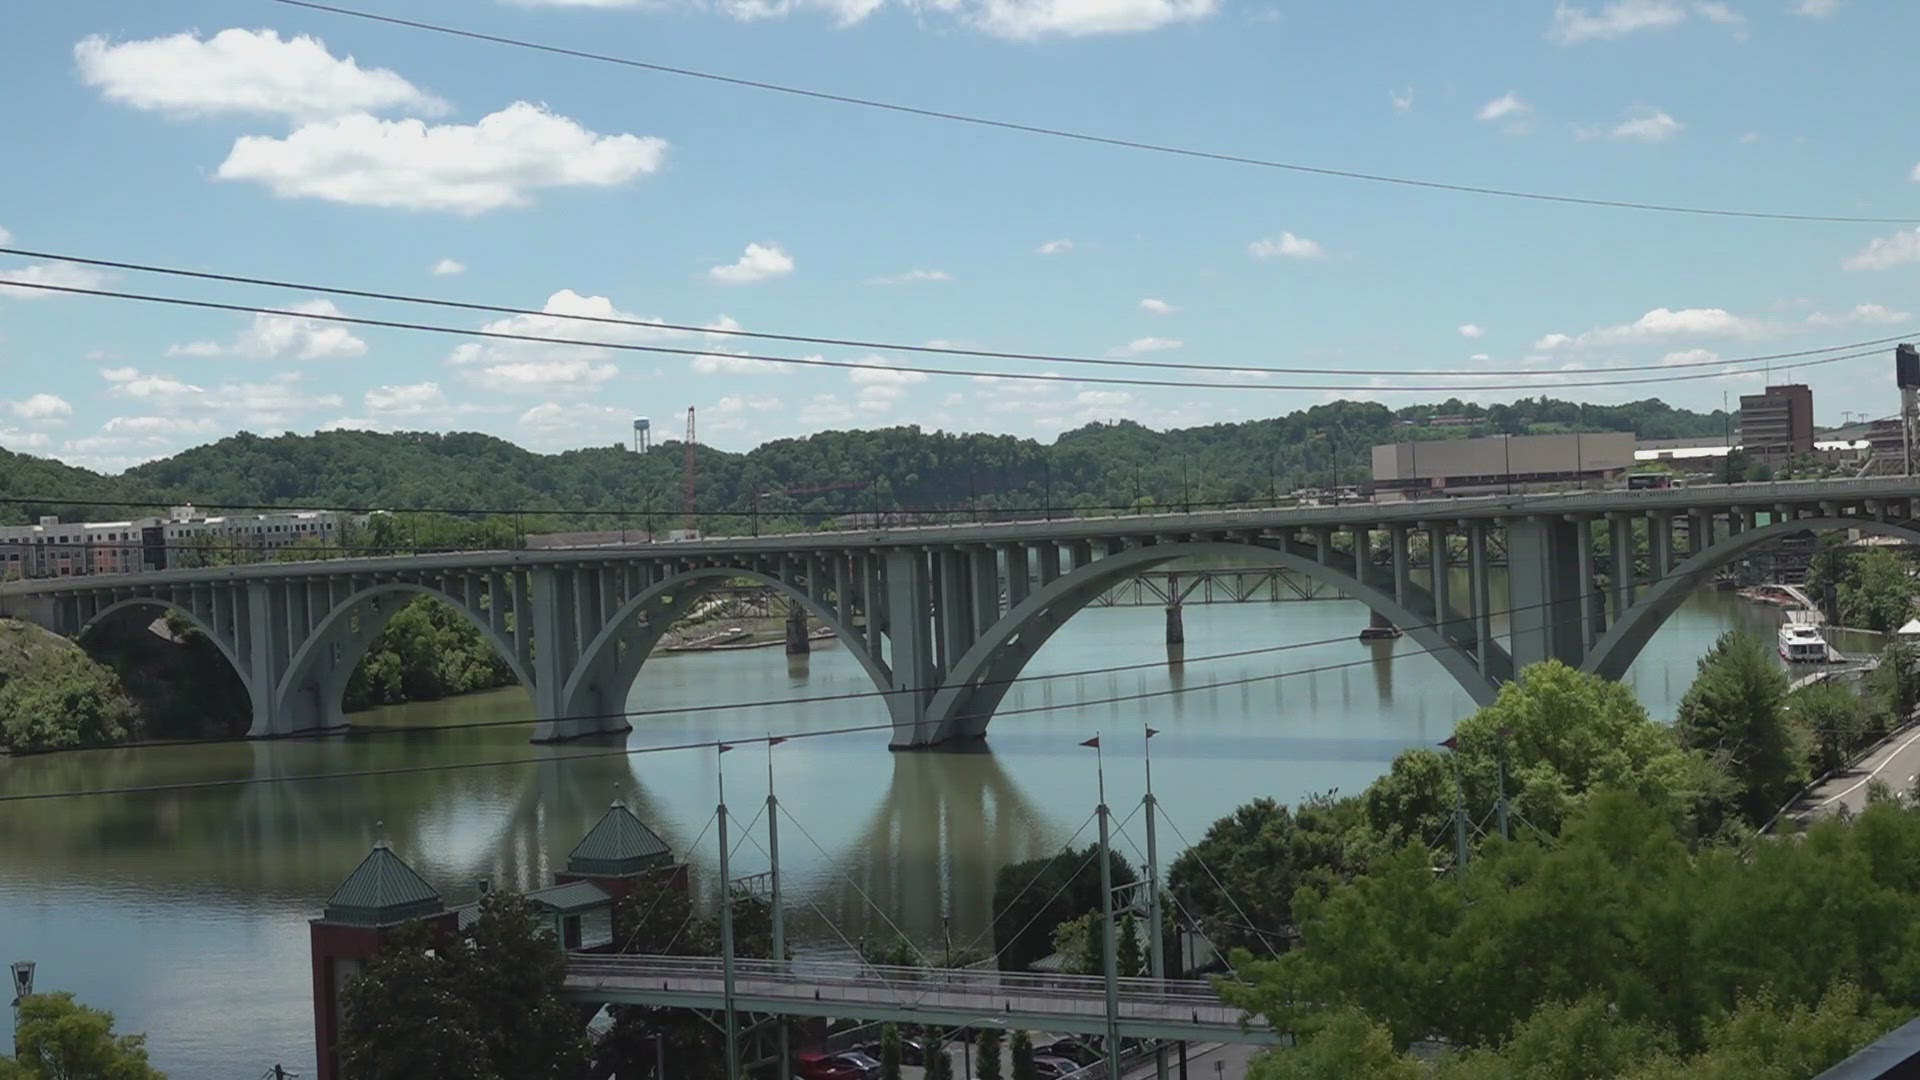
[[975, 686], [599, 682], [310, 692], [1617, 649], [229, 649]]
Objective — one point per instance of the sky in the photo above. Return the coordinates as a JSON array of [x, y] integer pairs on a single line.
[[256, 138]]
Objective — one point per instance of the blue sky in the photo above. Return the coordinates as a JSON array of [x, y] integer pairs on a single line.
[[250, 137]]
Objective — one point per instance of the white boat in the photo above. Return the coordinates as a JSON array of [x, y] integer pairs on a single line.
[[1801, 643]]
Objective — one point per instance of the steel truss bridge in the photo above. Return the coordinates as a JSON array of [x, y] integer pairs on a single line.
[[944, 619]]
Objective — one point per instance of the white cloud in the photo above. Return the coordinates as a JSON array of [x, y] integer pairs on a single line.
[[1901, 247], [461, 168], [1652, 125], [448, 267], [265, 404], [1470, 330], [881, 383], [911, 277], [1662, 323], [1106, 399], [159, 425], [285, 337], [244, 71], [825, 409], [41, 408], [729, 364], [759, 262], [1506, 106], [1286, 246], [65, 275], [1690, 356], [551, 368], [1141, 346], [1015, 19], [554, 418], [1575, 23], [1402, 99], [1029, 19], [352, 423], [409, 400], [15, 439], [1716, 11], [1157, 307], [1750, 137], [1817, 9], [1055, 247], [1871, 314], [736, 404], [5, 236]]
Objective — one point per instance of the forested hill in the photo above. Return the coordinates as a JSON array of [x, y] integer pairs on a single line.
[[1098, 465]]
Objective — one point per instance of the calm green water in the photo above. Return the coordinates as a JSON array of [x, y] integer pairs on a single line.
[[185, 912]]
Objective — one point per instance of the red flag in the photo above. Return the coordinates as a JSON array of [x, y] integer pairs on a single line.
[[724, 748], [776, 742], [1093, 742], [1451, 743], [1151, 733]]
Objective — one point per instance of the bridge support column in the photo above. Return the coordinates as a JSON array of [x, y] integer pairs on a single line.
[[1543, 566], [552, 604], [797, 642], [1176, 623], [909, 615]]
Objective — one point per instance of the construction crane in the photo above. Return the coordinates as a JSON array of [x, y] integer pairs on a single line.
[[815, 489], [687, 480]]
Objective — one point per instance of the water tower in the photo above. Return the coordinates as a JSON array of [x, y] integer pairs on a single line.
[[642, 434]]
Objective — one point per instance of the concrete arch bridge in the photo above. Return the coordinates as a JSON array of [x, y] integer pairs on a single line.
[[943, 619]]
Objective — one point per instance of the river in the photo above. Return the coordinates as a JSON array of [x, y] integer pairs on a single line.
[[184, 912]]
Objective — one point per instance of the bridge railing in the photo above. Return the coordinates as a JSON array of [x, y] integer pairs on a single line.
[[816, 973]]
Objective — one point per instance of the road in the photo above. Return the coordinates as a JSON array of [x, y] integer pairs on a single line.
[[1896, 764]]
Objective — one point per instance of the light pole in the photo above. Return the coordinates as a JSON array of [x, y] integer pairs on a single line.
[[22, 989]]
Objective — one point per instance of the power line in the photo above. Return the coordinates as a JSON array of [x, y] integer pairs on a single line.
[[819, 362], [890, 346], [1083, 137]]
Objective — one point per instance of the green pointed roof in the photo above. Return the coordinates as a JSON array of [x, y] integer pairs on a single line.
[[382, 891], [619, 845]]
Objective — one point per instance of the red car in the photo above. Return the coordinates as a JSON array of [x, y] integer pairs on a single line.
[[832, 1067]]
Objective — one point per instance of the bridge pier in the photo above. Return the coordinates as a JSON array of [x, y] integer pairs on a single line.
[[797, 641]]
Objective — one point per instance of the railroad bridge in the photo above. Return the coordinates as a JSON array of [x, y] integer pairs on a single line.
[[945, 618]]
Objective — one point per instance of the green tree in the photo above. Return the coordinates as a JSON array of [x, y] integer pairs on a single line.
[[1033, 897], [1239, 880], [938, 1061], [1878, 595], [1020, 1050], [59, 1039], [1127, 951], [1344, 1045], [1894, 685], [511, 973], [986, 1055], [407, 1018], [889, 1052], [1835, 720], [64, 700], [1735, 713]]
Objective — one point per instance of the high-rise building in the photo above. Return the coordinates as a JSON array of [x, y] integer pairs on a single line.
[[1777, 423]]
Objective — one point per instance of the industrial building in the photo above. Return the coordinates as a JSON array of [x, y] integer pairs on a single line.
[[183, 538], [1778, 422], [1442, 467]]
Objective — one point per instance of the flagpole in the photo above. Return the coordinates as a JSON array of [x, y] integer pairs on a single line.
[[778, 916], [1157, 960], [726, 920], [1106, 916]]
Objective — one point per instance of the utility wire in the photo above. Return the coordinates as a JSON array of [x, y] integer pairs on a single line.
[[894, 346], [818, 362], [1083, 137]]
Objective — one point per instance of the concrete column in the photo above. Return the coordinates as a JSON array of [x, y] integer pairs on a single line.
[[1660, 543], [1176, 624], [1397, 537], [550, 605], [1590, 616], [1018, 575], [1362, 556], [256, 652], [952, 624], [1322, 544], [874, 603], [1543, 565], [1048, 554], [1437, 559], [842, 594], [909, 612], [1479, 592], [1620, 526], [797, 642], [985, 572]]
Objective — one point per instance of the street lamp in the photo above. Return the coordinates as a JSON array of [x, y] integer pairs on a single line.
[[22, 989]]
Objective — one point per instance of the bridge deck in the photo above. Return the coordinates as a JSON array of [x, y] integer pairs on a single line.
[[1072, 1003]]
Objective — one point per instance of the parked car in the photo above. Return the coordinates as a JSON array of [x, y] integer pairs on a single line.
[[912, 1050], [1070, 1048], [834, 1067], [1052, 1068], [869, 1066]]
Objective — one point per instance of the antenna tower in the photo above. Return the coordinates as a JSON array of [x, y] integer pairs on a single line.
[[686, 484]]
